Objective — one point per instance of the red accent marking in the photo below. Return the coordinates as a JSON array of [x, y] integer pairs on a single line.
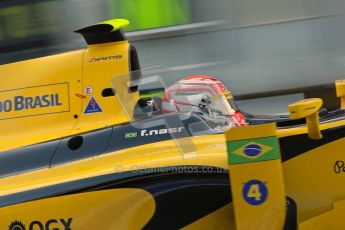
[[166, 111], [182, 103], [202, 77], [239, 118], [93, 104], [201, 90], [80, 95]]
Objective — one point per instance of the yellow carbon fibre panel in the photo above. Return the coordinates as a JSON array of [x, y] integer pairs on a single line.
[[27, 86], [223, 218], [271, 213], [211, 151], [109, 209], [311, 179], [47, 99], [102, 64], [332, 219], [248, 132], [257, 183]]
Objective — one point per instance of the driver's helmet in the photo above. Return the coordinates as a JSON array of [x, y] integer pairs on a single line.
[[206, 96]]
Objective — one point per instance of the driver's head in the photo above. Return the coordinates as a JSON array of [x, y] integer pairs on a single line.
[[204, 104], [202, 94]]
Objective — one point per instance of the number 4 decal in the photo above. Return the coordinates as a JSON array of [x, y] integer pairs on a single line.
[[255, 192]]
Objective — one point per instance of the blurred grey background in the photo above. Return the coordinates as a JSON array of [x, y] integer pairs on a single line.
[[268, 52]]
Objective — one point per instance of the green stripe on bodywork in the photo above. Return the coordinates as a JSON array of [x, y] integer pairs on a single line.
[[233, 147], [152, 93]]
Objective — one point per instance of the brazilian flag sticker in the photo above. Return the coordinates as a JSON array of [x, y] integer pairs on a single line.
[[253, 150], [131, 135]]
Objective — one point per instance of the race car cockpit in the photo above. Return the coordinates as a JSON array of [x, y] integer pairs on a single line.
[[208, 98]]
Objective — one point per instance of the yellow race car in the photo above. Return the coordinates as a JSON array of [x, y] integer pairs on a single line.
[[75, 155]]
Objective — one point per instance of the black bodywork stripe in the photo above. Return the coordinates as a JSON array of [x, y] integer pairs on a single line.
[[101, 33], [293, 146], [193, 199], [97, 183], [181, 198], [103, 141]]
